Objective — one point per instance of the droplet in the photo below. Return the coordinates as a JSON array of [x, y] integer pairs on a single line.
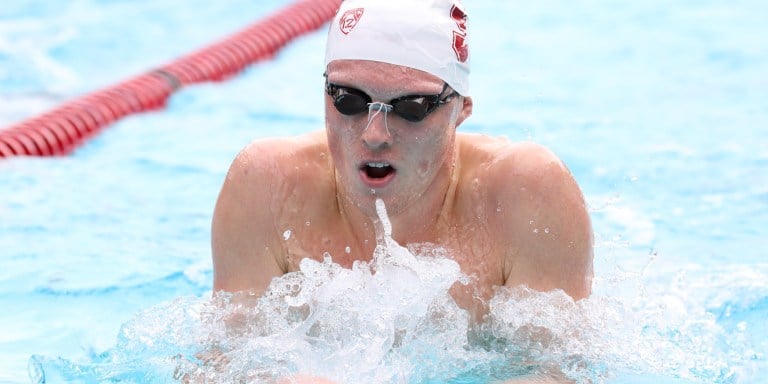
[[287, 234], [348, 250], [546, 230], [307, 223]]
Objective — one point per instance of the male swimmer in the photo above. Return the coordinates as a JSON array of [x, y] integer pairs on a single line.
[[396, 88]]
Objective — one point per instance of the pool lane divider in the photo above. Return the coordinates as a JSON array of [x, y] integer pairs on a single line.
[[61, 130]]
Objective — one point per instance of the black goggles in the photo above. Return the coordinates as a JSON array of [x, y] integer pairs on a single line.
[[350, 101]]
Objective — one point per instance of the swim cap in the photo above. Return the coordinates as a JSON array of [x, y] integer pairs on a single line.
[[428, 35]]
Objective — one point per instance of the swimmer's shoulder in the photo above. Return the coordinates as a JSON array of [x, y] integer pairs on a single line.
[[278, 173], [296, 157], [536, 211], [500, 156], [266, 179], [286, 150], [523, 174]]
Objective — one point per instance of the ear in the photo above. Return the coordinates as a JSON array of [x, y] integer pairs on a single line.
[[465, 111]]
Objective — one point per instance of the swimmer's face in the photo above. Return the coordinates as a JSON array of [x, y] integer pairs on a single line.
[[380, 154]]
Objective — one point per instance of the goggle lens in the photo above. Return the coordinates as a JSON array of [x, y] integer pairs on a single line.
[[414, 108]]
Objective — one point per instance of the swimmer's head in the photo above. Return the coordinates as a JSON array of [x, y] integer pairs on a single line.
[[428, 35]]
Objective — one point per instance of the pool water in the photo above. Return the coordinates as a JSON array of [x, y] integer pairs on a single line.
[[659, 109]]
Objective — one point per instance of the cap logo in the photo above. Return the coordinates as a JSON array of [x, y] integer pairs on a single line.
[[349, 19], [460, 37]]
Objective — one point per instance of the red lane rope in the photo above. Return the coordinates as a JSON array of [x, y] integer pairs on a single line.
[[61, 130]]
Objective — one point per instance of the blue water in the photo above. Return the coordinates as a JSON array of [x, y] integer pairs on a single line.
[[660, 109]]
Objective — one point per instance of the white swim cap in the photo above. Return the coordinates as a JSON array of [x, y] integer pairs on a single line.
[[428, 35]]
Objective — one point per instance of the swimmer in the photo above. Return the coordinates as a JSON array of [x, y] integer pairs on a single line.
[[396, 88]]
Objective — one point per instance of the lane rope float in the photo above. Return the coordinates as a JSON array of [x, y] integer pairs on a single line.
[[61, 130]]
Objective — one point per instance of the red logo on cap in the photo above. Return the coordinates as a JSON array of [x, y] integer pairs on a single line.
[[460, 37], [349, 19]]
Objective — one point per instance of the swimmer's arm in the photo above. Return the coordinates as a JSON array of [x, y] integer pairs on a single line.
[[243, 238], [547, 224]]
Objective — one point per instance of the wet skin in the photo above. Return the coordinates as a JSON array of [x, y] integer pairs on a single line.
[[508, 213]]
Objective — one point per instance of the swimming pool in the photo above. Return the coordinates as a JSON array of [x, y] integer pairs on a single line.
[[660, 110]]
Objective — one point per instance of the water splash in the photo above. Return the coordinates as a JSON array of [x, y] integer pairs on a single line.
[[381, 211], [393, 320]]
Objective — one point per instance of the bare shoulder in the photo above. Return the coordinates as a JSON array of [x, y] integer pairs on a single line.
[[261, 182], [515, 167], [537, 212], [284, 155], [526, 159], [269, 171]]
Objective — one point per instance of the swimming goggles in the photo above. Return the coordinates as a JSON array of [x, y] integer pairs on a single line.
[[414, 108]]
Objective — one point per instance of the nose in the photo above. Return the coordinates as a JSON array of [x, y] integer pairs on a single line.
[[376, 134]]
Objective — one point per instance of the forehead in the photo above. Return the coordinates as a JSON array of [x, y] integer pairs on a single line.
[[381, 76]]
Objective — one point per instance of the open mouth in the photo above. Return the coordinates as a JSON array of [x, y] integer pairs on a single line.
[[377, 171]]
